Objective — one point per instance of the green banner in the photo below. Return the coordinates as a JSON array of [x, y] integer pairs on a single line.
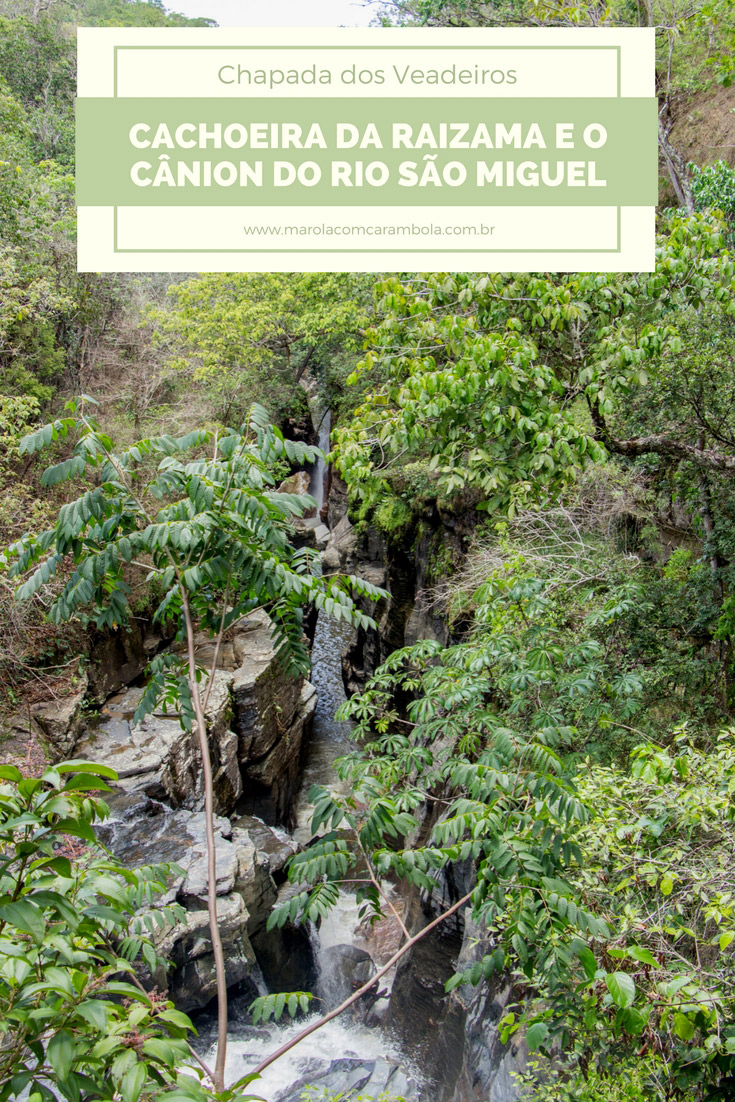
[[367, 152]]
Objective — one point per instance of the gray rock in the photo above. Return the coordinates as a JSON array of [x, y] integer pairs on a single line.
[[342, 970], [60, 721], [277, 773], [331, 561], [143, 831], [297, 484], [188, 946], [321, 535], [353, 1079], [454, 1039], [257, 719]]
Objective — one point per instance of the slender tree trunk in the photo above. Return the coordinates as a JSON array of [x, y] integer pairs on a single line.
[[219, 956], [677, 169]]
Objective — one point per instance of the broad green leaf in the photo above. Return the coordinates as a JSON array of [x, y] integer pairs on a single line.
[[25, 916], [95, 1012], [622, 988], [683, 1026], [60, 1053], [645, 956], [82, 766], [133, 1082], [536, 1034], [587, 960], [177, 1018]]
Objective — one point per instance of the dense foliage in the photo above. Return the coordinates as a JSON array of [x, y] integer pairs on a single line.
[[75, 1020], [211, 531], [239, 334], [564, 446]]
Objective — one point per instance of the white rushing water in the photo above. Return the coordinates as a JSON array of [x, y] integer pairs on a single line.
[[319, 470], [336, 1041]]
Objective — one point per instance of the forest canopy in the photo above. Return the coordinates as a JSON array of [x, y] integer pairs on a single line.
[[541, 464]]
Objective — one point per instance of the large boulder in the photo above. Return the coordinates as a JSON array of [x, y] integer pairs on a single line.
[[60, 723], [143, 831], [250, 865], [296, 484], [156, 757], [119, 656], [343, 969], [192, 983], [258, 717]]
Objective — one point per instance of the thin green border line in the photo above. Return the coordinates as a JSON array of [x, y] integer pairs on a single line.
[[435, 249], [618, 52], [617, 49]]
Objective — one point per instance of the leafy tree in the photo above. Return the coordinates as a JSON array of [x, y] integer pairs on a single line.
[[656, 859], [75, 1020], [507, 808], [213, 535], [695, 42], [605, 897], [503, 386], [603, 890], [39, 65], [51, 317], [245, 333], [713, 188]]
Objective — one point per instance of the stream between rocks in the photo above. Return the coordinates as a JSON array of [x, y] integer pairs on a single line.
[[264, 764], [347, 1055]]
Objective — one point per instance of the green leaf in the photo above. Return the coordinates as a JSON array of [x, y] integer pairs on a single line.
[[676, 985], [683, 1026], [645, 956], [587, 960], [133, 1082], [536, 1034], [95, 1012], [632, 1021], [177, 1018], [82, 766], [160, 1050], [622, 988], [26, 916], [78, 827], [86, 782], [60, 1053]]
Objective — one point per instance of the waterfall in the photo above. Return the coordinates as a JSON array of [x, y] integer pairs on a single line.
[[347, 1054], [317, 484]]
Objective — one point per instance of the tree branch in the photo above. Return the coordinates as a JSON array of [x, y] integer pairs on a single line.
[[659, 444]]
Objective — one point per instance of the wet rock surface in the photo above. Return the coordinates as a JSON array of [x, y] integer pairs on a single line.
[[257, 717], [351, 1077], [144, 831], [455, 1038], [342, 970], [60, 723]]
